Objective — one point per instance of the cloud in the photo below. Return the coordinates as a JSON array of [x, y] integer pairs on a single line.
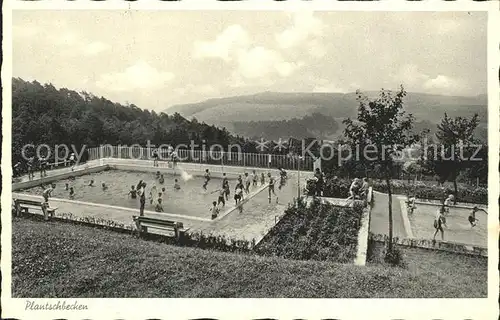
[[305, 26], [95, 48], [415, 80], [443, 82], [73, 45], [233, 38], [259, 62], [138, 76], [250, 61]]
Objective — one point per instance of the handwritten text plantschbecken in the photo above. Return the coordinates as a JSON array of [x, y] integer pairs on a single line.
[[34, 306]]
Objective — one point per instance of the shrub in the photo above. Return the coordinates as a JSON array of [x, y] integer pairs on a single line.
[[394, 257]]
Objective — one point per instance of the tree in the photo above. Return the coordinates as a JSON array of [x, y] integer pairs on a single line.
[[383, 125], [456, 142]]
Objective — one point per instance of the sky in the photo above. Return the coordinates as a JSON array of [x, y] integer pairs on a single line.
[[156, 59]]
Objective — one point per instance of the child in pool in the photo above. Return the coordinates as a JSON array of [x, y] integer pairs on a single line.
[[227, 190], [91, 183], [104, 187], [66, 186], [161, 180], [224, 179], [439, 222], [71, 193], [221, 198], [214, 210], [248, 182], [238, 194], [48, 192], [176, 185], [159, 207], [271, 185], [157, 174], [207, 179], [132, 193]]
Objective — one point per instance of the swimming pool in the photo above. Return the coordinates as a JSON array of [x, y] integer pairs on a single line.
[[190, 200], [458, 227]]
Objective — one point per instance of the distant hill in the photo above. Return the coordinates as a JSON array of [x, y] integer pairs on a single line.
[[231, 112]]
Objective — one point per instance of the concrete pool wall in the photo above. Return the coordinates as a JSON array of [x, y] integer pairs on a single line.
[[225, 224], [55, 177], [95, 166]]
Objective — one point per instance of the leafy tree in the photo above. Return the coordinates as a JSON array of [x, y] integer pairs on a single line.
[[383, 125], [455, 149]]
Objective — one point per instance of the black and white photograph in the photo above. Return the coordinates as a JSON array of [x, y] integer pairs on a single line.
[[248, 154]]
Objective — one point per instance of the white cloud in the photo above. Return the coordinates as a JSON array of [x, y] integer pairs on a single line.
[[251, 61], [95, 48], [233, 38], [415, 80], [305, 25], [443, 82], [316, 49], [259, 62], [73, 45], [139, 76]]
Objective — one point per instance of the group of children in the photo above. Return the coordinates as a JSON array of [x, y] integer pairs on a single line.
[[358, 189], [42, 166], [242, 187], [442, 212], [155, 196]]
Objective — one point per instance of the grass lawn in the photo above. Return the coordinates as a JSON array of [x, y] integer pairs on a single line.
[[53, 259]]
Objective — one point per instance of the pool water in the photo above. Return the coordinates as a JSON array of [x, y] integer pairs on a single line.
[[458, 227], [190, 200]]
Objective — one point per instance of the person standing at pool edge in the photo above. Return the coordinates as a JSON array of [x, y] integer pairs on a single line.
[[155, 158], [31, 169], [142, 199], [271, 186]]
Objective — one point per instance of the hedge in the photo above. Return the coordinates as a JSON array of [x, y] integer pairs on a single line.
[[320, 231]]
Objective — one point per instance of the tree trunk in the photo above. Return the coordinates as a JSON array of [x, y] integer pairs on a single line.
[[456, 190], [389, 192]]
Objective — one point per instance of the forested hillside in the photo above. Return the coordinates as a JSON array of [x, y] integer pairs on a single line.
[[246, 115], [42, 114]]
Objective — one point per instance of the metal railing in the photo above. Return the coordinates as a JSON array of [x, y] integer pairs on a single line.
[[256, 160]]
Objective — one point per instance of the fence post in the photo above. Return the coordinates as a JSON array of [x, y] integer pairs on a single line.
[[101, 155]]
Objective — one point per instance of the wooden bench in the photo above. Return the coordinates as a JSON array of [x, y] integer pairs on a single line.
[[144, 223], [23, 206]]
